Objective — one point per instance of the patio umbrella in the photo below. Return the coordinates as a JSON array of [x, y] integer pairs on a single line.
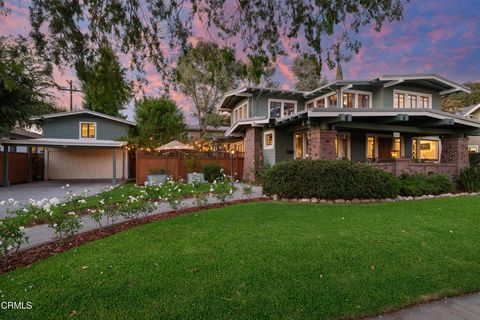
[[175, 146]]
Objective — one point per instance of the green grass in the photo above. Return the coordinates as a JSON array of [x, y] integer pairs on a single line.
[[262, 260]]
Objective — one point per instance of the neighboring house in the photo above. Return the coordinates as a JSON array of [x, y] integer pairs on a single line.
[[214, 139], [472, 112], [82, 145], [18, 133], [394, 122]]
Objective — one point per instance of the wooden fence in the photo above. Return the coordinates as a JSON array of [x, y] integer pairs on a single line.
[[18, 167], [177, 165]]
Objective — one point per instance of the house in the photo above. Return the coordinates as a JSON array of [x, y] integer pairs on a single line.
[[472, 112], [80, 144], [214, 139], [19, 133], [393, 122]]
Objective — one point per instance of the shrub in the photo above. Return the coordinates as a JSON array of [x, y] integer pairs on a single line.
[[469, 179], [327, 179], [212, 171], [12, 235], [419, 184], [474, 159]]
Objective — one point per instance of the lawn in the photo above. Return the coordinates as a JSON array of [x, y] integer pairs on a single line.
[[262, 260]]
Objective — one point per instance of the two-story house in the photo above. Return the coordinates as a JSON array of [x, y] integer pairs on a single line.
[[472, 112], [80, 144], [393, 122]]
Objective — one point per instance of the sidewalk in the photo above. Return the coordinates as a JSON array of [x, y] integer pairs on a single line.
[[43, 234], [458, 308]]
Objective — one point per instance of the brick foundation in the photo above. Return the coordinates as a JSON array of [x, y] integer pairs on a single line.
[[321, 144], [253, 152]]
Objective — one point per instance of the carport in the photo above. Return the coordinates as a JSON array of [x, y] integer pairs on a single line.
[[74, 157]]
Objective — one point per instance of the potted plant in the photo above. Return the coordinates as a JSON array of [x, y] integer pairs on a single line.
[[156, 176], [193, 167]]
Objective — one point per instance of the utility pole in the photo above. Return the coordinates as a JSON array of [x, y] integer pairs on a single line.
[[72, 90]]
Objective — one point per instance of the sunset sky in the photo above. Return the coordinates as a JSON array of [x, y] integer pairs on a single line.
[[439, 36]]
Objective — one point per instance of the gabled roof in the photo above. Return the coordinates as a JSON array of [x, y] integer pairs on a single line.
[[428, 79], [49, 142], [24, 133], [469, 110], [90, 112]]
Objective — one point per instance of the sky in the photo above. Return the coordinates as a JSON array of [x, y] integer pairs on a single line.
[[435, 36]]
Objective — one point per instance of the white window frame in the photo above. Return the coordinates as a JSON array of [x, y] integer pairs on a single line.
[[355, 101], [265, 133], [349, 145], [80, 130], [238, 109], [474, 146], [412, 93], [282, 103], [382, 135], [304, 143], [433, 138]]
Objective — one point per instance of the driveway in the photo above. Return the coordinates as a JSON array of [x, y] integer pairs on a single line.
[[48, 189]]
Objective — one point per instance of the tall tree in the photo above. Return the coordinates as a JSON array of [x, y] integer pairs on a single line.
[[71, 31], [159, 121], [460, 100], [204, 73], [104, 86], [308, 72], [25, 84], [257, 71]]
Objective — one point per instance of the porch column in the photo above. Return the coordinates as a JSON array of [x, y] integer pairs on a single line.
[[321, 144], [123, 163], [253, 152], [455, 151], [45, 163], [5, 183], [114, 167], [29, 160]]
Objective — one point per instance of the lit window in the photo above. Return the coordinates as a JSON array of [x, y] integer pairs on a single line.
[[300, 145], [341, 146], [348, 100], [472, 149], [399, 100], [363, 101], [288, 109], [268, 140], [412, 101], [424, 102], [332, 101], [87, 130], [396, 148], [320, 103], [370, 147], [426, 149]]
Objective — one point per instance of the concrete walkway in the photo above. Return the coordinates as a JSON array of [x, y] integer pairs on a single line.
[[43, 234], [48, 189], [458, 308]]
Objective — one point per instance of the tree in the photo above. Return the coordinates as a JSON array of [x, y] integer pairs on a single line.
[[25, 84], [204, 73], [159, 121], [308, 72], [103, 84], [460, 100], [257, 71], [71, 31]]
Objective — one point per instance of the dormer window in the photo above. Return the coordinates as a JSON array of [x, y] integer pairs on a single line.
[[88, 130], [411, 100]]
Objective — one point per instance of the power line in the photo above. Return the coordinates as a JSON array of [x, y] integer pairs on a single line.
[[72, 90]]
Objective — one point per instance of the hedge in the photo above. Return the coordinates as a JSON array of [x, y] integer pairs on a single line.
[[212, 171], [420, 184], [474, 159], [329, 179], [469, 179]]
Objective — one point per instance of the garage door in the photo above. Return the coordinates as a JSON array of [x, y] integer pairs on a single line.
[[83, 163]]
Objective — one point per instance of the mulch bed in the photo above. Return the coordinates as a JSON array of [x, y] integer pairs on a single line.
[[26, 257]]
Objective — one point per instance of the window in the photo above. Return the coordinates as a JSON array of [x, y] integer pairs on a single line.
[[426, 149], [332, 101], [268, 140], [310, 105], [412, 101], [396, 148], [300, 146], [363, 101], [399, 100], [281, 108], [348, 100], [87, 130], [240, 112], [424, 102], [370, 147], [320, 103], [288, 109], [472, 149], [342, 146]]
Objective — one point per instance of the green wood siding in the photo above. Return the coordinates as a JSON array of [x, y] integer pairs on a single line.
[[387, 96], [68, 127]]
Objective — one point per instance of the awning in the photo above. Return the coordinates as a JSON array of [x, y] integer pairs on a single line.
[[49, 142]]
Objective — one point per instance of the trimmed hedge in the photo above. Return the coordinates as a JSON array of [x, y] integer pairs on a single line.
[[469, 179], [212, 171], [326, 179], [419, 184]]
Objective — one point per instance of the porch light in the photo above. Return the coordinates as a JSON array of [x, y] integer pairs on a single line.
[[394, 154]]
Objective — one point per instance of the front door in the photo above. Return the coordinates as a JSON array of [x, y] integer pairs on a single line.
[[384, 148]]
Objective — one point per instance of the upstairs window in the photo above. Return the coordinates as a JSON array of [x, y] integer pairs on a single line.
[[88, 130], [399, 101], [275, 109], [281, 108], [288, 109], [424, 102], [363, 101], [320, 103], [412, 100], [240, 113], [332, 101], [348, 100]]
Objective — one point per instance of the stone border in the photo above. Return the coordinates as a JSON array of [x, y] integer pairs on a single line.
[[357, 201]]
